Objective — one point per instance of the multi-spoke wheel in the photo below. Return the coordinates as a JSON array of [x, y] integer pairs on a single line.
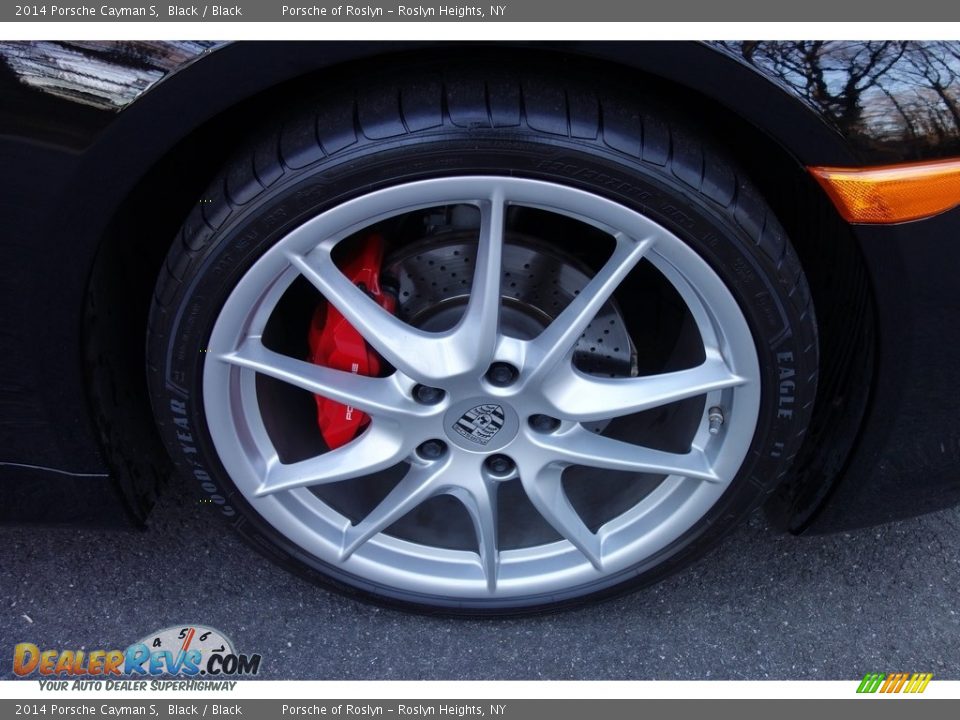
[[586, 372]]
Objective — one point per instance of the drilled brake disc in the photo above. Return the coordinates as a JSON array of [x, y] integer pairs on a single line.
[[434, 280]]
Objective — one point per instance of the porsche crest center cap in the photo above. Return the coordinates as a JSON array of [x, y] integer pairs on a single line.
[[481, 425]]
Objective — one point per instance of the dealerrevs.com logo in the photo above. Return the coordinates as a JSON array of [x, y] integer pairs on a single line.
[[190, 651]]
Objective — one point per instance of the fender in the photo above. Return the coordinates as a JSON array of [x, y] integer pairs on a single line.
[[74, 150]]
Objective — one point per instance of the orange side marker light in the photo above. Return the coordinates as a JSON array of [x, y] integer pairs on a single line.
[[892, 193]]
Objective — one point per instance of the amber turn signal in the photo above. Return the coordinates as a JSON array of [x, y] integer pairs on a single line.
[[892, 193]]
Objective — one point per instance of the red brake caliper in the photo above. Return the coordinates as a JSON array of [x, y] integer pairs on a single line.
[[334, 343]]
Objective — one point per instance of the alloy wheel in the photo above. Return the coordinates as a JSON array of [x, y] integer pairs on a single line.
[[503, 407]]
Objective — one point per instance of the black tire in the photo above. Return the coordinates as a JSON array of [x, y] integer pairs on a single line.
[[608, 139]]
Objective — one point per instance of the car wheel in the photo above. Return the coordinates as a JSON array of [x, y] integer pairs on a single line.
[[483, 344]]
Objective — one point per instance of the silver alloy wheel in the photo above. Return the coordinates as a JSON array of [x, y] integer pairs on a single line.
[[457, 360]]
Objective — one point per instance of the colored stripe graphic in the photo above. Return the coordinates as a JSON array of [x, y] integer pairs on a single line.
[[870, 683], [919, 682], [894, 683]]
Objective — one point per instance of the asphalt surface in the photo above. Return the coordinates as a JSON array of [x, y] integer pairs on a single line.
[[763, 606]]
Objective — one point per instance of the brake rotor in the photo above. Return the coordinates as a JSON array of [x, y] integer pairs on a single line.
[[434, 280]]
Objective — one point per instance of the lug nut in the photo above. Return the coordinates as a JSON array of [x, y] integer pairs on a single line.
[[431, 449], [427, 395], [544, 423], [499, 464], [501, 374]]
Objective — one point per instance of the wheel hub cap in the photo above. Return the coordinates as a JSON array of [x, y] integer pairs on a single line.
[[481, 424]]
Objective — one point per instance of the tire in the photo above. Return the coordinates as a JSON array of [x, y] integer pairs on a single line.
[[717, 290]]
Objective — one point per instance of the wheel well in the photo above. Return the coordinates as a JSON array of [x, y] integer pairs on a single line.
[[846, 318], [137, 239]]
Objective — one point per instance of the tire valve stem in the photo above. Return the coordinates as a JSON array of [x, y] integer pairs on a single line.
[[715, 418]]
